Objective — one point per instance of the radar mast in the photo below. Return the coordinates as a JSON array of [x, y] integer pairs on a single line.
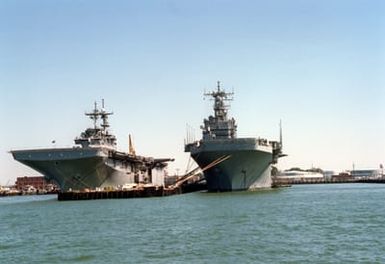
[[219, 125], [94, 115], [219, 97], [99, 134]]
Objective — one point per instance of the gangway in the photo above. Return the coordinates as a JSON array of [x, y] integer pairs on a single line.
[[198, 170]]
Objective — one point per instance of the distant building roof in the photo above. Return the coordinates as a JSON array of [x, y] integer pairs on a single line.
[[365, 173]]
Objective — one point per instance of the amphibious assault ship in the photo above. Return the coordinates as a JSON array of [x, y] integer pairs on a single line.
[[94, 161], [241, 163]]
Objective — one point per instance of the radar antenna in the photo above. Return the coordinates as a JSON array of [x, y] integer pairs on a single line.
[[104, 116], [94, 115], [97, 114], [219, 97]]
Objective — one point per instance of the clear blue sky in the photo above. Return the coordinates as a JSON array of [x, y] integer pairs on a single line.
[[317, 65]]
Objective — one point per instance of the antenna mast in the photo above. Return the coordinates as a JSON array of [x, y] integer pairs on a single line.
[[102, 113], [94, 115], [219, 97], [104, 116]]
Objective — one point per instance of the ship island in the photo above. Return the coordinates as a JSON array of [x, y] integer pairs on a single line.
[[94, 161], [241, 163]]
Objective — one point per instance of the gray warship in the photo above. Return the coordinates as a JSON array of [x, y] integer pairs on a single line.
[[94, 161], [240, 163]]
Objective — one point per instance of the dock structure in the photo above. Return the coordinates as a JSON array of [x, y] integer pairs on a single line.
[[143, 192], [151, 191]]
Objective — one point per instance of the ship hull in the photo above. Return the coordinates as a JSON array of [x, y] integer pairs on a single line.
[[246, 164], [76, 168], [243, 170]]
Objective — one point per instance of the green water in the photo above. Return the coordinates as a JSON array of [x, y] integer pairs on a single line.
[[341, 223]]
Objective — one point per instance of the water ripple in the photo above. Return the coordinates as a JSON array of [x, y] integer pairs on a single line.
[[315, 223]]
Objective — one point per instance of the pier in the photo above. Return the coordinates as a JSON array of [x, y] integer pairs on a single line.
[[153, 191], [143, 192]]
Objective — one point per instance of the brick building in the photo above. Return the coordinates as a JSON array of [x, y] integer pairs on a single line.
[[39, 182]]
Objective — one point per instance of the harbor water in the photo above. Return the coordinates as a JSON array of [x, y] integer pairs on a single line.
[[335, 223]]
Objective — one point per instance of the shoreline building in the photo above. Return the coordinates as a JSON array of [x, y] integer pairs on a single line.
[[38, 182], [366, 174]]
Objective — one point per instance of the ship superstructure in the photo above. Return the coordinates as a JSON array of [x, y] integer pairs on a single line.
[[246, 161], [94, 161]]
